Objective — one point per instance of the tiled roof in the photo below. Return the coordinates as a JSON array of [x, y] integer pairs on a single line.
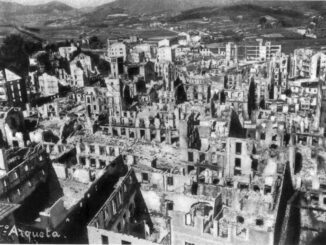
[[7, 208]]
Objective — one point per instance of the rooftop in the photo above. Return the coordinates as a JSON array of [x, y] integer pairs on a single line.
[[6, 209], [8, 76]]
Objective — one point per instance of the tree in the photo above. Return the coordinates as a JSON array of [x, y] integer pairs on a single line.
[[44, 59], [252, 97], [180, 95], [95, 43], [13, 55], [263, 21], [32, 47], [15, 52], [104, 67], [52, 47]]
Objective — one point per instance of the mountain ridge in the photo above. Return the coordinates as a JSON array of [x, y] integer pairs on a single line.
[[134, 7], [19, 9]]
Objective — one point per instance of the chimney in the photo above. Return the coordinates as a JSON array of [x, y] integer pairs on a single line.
[[3, 161]]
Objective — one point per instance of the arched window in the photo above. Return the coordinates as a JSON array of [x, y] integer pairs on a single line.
[[188, 219]]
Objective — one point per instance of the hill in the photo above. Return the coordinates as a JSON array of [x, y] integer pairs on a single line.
[[187, 9], [10, 8], [51, 7], [138, 7], [288, 16]]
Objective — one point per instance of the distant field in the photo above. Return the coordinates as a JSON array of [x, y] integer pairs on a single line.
[[156, 33], [114, 33], [58, 34], [285, 32], [289, 39], [289, 45], [6, 30]]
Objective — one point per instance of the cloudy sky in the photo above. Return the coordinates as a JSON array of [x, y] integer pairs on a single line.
[[83, 3], [74, 3]]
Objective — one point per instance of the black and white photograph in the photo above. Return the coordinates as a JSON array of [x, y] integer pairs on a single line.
[[163, 122]]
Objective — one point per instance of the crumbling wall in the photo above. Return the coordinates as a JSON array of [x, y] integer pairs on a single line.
[[15, 130], [60, 170], [45, 193], [180, 92], [286, 193], [194, 140], [290, 232], [155, 200], [95, 237]]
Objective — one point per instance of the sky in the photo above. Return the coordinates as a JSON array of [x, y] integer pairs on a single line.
[[80, 3], [74, 3]]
